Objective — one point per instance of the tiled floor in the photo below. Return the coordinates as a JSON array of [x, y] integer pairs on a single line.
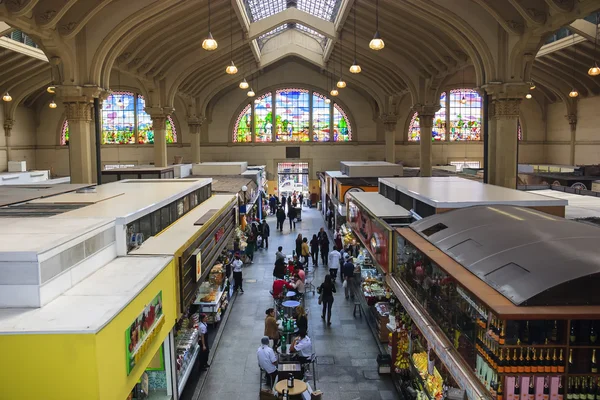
[[347, 351]]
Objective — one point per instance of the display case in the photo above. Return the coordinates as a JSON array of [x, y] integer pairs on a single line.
[[212, 297], [186, 349]]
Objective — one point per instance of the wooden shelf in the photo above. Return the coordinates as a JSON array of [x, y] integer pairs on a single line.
[[535, 346], [588, 374], [575, 346]]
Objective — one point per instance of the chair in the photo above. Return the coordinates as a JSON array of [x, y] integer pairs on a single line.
[[312, 361], [308, 285]]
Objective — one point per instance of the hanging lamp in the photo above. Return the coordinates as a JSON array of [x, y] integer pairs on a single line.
[[7, 97], [120, 99], [52, 104], [528, 96], [231, 68], [256, 101], [244, 83], [51, 89], [377, 42], [573, 93], [355, 68], [531, 85], [251, 92], [327, 99], [209, 44], [341, 83], [334, 92], [595, 70], [463, 99]]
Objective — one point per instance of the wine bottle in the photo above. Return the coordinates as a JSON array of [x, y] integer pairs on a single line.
[[514, 365], [576, 390], [528, 362], [548, 363], [573, 334], [584, 390], [531, 388], [517, 390], [591, 390], [501, 362], [534, 363], [502, 338], [521, 365], [290, 381], [593, 334], [597, 392], [500, 391], [571, 363], [594, 365], [554, 332], [561, 390], [554, 366], [546, 389], [526, 333], [561, 363], [570, 389]]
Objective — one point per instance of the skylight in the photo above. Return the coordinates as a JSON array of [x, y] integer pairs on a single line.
[[310, 32], [324, 9], [262, 39], [261, 9]]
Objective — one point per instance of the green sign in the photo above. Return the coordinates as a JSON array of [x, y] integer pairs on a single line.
[[140, 334]]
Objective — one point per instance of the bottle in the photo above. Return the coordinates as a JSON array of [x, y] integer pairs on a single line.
[[554, 332], [561, 390], [554, 365], [573, 334], [584, 392], [571, 363], [570, 389], [501, 362], [515, 362], [597, 392], [521, 365], [517, 388], [561, 363], [548, 363], [591, 394], [576, 389], [285, 395], [542, 362], [526, 333], [499, 392], [290, 381], [593, 334], [594, 365], [527, 368], [531, 388], [534, 363], [546, 389], [502, 337]]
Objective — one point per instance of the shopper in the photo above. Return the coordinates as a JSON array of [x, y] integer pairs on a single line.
[[298, 251], [289, 202], [271, 328], [266, 232], [302, 347], [333, 262], [301, 198], [267, 361], [292, 214], [337, 238], [272, 204], [283, 201], [298, 284], [324, 244], [305, 251], [250, 247], [314, 250], [203, 342], [301, 319], [237, 266], [348, 276], [329, 217], [279, 269], [280, 215], [278, 285], [326, 291]]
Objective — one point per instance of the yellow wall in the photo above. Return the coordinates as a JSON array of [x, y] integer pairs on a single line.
[[91, 367]]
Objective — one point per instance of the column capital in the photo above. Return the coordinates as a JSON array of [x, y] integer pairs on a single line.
[[195, 123], [426, 111], [505, 108], [390, 120], [507, 90], [8, 125], [78, 110], [76, 93], [159, 112], [572, 118]]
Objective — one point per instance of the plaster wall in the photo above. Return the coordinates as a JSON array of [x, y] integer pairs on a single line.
[[22, 140]]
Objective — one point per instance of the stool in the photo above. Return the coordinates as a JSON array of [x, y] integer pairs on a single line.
[[357, 304]]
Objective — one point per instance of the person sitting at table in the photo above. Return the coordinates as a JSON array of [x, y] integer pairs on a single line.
[[291, 267], [279, 270], [301, 319], [278, 286], [267, 360], [302, 347], [271, 328], [298, 283]]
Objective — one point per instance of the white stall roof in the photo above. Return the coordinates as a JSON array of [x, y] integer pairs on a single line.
[[175, 236], [379, 206], [336, 174], [89, 305], [126, 200], [455, 192], [579, 206]]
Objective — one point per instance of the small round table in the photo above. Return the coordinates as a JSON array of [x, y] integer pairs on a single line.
[[299, 387], [289, 306], [290, 293]]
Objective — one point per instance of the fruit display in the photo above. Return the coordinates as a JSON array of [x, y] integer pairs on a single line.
[[402, 362], [433, 383]]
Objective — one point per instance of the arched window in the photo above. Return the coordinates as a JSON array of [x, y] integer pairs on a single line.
[[124, 121], [292, 115], [438, 132]]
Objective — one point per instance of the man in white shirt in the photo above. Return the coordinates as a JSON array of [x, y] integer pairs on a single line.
[[333, 261], [267, 360], [237, 265], [302, 346]]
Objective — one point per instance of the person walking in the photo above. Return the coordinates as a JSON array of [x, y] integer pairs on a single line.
[[267, 361], [324, 245], [271, 328], [237, 266], [337, 238], [273, 204], [333, 262], [348, 274], [292, 214], [298, 245], [301, 319], [266, 232], [251, 246], [301, 198], [283, 201], [279, 254], [329, 217], [314, 250], [280, 215], [326, 291], [305, 251], [289, 202]]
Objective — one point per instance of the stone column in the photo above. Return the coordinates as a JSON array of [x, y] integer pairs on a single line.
[[491, 144], [8, 125], [506, 116], [79, 115], [195, 124], [426, 114], [572, 118], [159, 126], [389, 122]]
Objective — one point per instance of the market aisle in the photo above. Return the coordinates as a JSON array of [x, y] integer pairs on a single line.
[[347, 351]]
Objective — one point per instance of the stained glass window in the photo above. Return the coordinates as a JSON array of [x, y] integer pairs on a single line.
[[124, 119], [465, 119], [292, 114], [438, 132], [242, 131], [342, 131], [263, 118], [321, 118]]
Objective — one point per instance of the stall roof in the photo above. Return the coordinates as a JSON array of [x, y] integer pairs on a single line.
[[175, 237], [13, 194], [358, 181], [529, 257], [380, 206], [89, 305], [229, 183], [580, 206], [336, 174], [455, 192]]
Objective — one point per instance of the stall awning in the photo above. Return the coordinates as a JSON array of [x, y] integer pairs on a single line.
[[531, 258]]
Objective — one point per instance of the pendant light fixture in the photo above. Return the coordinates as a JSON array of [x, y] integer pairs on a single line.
[[7, 97], [256, 101], [244, 83], [251, 92], [51, 89], [231, 68], [595, 70], [531, 85], [573, 93], [209, 44], [341, 83], [377, 42], [52, 104], [334, 92], [120, 99], [528, 96], [327, 99], [355, 68], [463, 99]]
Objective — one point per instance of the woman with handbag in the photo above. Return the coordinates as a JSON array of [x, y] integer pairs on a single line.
[[326, 291]]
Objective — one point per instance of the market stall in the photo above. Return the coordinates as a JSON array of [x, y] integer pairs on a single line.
[[490, 291]]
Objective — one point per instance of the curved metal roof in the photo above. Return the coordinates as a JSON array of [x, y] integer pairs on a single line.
[[530, 257]]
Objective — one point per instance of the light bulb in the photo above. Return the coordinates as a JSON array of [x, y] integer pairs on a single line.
[[463, 100], [210, 44], [341, 84], [52, 104], [594, 71], [532, 86], [51, 89], [528, 96], [355, 68], [377, 42], [256, 101], [334, 92], [251, 93], [7, 97], [244, 84], [573, 93], [327, 100], [231, 69]]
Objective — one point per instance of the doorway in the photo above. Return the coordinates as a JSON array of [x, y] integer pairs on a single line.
[[292, 177]]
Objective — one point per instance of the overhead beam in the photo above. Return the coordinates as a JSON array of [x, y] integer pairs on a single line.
[[340, 21], [291, 49], [560, 44], [240, 12], [584, 28], [21, 48], [5, 28], [291, 15]]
